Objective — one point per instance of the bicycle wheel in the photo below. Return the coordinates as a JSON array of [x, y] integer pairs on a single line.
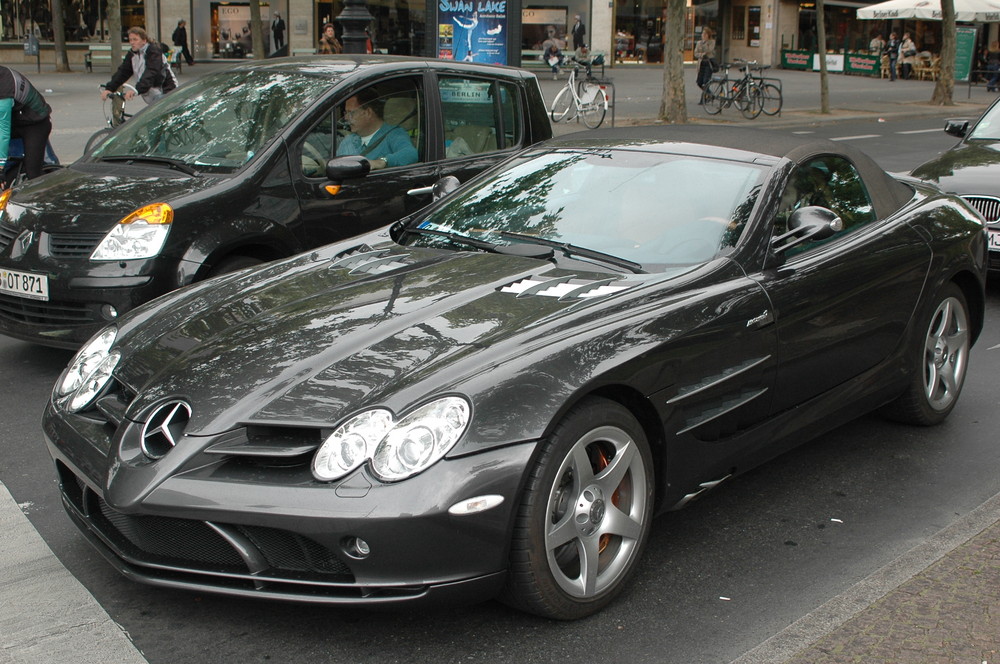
[[593, 104], [562, 105], [751, 101], [772, 100], [96, 138], [713, 97]]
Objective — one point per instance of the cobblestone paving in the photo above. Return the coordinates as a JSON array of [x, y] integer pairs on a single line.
[[947, 614]]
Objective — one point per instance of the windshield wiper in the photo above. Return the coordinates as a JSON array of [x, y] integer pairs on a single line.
[[176, 164], [583, 252], [533, 250]]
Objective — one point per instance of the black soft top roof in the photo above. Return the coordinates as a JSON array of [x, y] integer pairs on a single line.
[[887, 193]]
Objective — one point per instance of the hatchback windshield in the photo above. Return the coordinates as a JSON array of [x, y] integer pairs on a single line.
[[646, 208], [217, 123]]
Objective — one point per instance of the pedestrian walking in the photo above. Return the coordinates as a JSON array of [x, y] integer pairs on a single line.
[[704, 54], [328, 42], [892, 52], [278, 31], [993, 67], [907, 55], [180, 39], [579, 33]]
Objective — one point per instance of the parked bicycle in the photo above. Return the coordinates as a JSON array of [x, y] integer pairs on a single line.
[[583, 96], [114, 113], [751, 94]]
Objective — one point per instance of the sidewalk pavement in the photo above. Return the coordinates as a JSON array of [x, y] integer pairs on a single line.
[[938, 603]]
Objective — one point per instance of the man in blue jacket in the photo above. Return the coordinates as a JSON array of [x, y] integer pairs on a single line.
[[24, 114], [384, 145]]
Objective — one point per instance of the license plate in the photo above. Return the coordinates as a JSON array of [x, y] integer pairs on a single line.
[[24, 284], [994, 240]]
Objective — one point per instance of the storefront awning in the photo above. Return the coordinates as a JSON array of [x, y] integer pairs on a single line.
[[967, 11]]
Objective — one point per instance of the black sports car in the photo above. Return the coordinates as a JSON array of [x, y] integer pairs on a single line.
[[229, 171], [971, 169], [495, 395]]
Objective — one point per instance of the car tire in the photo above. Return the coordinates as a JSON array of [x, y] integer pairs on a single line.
[[584, 515], [232, 264], [939, 357]]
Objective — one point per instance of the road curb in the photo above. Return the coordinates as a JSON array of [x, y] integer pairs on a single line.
[[825, 619]]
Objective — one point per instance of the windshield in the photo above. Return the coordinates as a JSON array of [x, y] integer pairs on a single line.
[[217, 123], [647, 208], [988, 128]]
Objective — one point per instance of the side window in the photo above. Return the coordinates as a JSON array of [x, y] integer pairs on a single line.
[[831, 182], [479, 116], [383, 122]]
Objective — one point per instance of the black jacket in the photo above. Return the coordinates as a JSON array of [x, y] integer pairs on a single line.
[[154, 76]]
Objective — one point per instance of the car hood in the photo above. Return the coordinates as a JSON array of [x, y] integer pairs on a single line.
[[91, 197], [970, 168], [311, 339]]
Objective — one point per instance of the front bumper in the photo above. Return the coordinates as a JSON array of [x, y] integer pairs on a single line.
[[201, 530], [83, 298]]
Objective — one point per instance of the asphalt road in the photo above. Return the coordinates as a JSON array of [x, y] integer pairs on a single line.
[[718, 578]]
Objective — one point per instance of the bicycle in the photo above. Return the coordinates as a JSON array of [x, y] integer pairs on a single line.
[[744, 93], [584, 98], [114, 113], [13, 173]]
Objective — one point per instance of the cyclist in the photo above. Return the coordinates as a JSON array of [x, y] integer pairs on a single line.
[[153, 75], [24, 114]]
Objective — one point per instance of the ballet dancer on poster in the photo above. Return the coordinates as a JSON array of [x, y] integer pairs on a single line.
[[469, 24]]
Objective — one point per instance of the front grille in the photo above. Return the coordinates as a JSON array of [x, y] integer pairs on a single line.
[[187, 544], [988, 206], [73, 245], [7, 235], [34, 312]]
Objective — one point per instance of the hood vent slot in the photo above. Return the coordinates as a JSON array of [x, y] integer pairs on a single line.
[[565, 288], [365, 260]]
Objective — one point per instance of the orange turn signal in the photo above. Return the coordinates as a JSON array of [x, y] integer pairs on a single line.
[[332, 189], [155, 213], [4, 197]]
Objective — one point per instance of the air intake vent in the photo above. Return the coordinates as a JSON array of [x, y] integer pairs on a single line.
[[368, 261]]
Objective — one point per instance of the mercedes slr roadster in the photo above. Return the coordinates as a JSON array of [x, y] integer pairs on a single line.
[[494, 396]]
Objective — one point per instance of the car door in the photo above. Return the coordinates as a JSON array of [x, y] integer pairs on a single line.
[[362, 204], [482, 122], [841, 305]]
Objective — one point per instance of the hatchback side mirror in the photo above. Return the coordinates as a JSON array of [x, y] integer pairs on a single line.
[[339, 169], [808, 224], [957, 128]]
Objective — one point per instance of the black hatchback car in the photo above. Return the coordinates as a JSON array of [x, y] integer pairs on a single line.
[[234, 169], [971, 169]]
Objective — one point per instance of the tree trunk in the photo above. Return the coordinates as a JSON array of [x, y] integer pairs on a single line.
[[824, 86], [257, 31], [115, 32], [673, 106], [944, 87], [59, 36]]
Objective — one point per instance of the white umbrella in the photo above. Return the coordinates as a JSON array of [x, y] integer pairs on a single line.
[[967, 11]]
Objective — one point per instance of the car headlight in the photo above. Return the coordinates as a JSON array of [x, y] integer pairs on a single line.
[[89, 371], [395, 449], [139, 235]]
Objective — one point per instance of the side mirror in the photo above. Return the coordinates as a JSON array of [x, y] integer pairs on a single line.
[[957, 128], [445, 186], [439, 189], [339, 169], [808, 224]]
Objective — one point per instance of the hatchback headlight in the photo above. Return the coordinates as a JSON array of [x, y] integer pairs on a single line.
[[141, 234], [395, 449], [89, 371]]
